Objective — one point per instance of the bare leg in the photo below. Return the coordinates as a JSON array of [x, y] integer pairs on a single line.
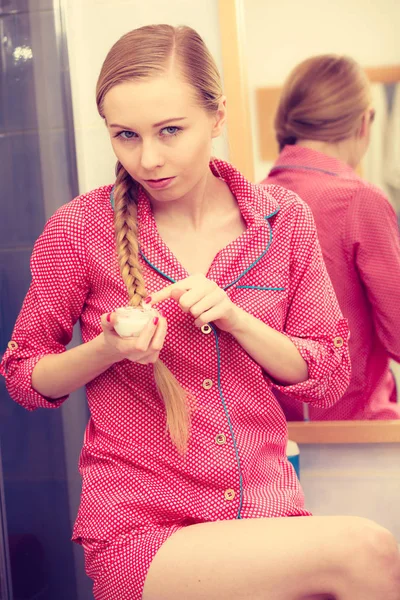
[[298, 558]]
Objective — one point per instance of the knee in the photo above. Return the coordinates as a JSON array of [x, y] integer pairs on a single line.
[[375, 550]]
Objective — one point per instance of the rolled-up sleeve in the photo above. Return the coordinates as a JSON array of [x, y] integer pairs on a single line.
[[314, 321], [51, 307]]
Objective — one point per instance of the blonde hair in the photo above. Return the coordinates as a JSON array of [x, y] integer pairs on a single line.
[[323, 99], [142, 53]]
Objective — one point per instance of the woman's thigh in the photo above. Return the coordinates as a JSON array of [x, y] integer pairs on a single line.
[[252, 559]]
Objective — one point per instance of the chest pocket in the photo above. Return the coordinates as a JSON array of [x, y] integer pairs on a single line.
[[265, 296]]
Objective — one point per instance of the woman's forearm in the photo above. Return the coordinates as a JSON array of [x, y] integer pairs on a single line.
[[272, 350], [57, 375]]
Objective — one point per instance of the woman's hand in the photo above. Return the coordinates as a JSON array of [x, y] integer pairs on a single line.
[[144, 349], [203, 299]]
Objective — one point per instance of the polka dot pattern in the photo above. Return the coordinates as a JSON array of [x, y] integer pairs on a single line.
[[137, 489], [359, 236]]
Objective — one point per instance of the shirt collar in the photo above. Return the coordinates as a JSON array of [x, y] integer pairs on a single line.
[[300, 157], [257, 207], [255, 203]]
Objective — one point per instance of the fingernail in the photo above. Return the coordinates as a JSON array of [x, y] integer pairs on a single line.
[[147, 300], [162, 314], [109, 317], [155, 320]]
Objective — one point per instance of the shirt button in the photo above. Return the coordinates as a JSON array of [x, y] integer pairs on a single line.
[[229, 494], [206, 328], [220, 439], [12, 345], [207, 384], [338, 342]]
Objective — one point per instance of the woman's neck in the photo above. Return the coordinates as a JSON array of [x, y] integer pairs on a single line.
[[341, 150], [209, 199]]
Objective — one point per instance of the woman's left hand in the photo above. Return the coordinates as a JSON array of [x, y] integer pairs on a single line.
[[203, 299]]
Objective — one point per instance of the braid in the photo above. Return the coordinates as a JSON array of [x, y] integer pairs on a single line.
[[125, 223]]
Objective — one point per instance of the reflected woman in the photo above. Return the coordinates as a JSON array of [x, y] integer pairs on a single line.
[[323, 126]]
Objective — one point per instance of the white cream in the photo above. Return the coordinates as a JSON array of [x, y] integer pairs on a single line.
[[131, 321]]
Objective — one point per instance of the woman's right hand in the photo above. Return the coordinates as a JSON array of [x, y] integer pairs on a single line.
[[144, 349]]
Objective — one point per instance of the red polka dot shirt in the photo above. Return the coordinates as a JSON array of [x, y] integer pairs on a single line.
[[359, 236], [236, 464]]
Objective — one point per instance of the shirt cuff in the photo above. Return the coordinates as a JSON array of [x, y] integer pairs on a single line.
[[329, 370], [18, 375]]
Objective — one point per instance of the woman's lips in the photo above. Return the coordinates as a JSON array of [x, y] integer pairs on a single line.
[[159, 184]]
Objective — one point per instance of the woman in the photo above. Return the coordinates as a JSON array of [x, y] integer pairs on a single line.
[[196, 237], [322, 126]]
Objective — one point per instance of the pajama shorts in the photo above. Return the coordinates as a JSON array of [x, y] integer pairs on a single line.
[[119, 568]]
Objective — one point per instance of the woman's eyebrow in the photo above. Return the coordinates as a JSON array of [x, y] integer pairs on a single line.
[[168, 121], [155, 124]]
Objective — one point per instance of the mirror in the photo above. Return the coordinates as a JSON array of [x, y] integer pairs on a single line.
[[261, 44]]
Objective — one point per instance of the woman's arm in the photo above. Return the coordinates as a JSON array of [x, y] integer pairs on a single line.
[[57, 375], [273, 351]]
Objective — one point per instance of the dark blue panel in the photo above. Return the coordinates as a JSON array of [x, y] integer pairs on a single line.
[[18, 73], [22, 190], [24, 5]]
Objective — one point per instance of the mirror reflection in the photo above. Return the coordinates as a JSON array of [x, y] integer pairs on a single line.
[[327, 132]]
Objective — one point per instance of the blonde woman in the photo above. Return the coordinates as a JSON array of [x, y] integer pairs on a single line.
[[323, 127], [201, 512]]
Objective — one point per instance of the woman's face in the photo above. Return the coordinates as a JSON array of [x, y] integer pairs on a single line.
[[160, 133]]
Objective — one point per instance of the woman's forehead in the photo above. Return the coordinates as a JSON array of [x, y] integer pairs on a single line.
[[150, 100]]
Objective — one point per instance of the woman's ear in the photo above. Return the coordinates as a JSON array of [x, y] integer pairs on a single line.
[[219, 118], [366, 121]]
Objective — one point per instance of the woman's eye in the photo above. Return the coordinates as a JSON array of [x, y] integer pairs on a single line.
[[167, 131], [127, 135]]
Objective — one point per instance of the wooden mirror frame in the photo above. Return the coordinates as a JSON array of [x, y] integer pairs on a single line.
[[232, 31]]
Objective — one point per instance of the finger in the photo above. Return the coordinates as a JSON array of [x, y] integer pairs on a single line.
[[209, 316], [160, 333], [188, 299], [205, 304], [144, 339], [165, 293], [162, 295], [108, 321]]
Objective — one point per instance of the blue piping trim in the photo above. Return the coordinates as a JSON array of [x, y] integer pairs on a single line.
[[220, 393], [157, 270], [257, 287], [273, 213], [239, 516], [283, 167], [256, 261]]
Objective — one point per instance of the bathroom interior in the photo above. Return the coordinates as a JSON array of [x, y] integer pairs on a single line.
[[53, 147]]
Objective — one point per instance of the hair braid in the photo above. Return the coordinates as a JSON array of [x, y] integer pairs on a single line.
[[125, 222]]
